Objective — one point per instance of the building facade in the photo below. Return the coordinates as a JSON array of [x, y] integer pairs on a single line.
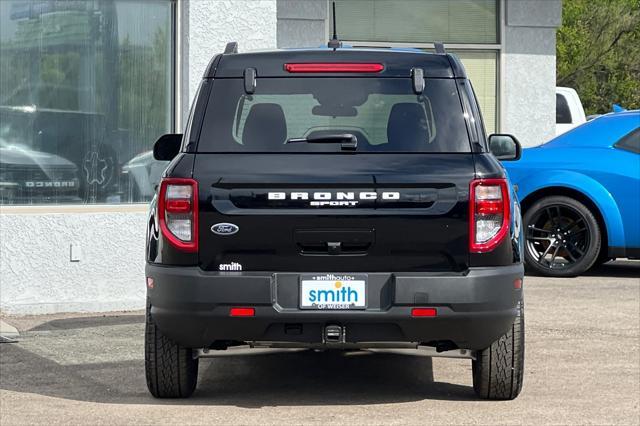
[[86, 87]]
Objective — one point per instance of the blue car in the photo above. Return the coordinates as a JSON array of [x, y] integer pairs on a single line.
[[580, 196]]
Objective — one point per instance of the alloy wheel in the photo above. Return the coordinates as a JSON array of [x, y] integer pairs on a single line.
[[557, 236]]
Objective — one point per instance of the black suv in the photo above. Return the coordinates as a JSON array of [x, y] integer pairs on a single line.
[[335, 199]]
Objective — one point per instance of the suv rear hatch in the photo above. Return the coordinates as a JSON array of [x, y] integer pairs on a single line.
[[271, 163]]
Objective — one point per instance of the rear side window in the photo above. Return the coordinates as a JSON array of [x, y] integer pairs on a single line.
[[384, 114], [563, 114], [630, 142]]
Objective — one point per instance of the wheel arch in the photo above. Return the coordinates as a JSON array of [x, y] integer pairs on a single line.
[[571, 193], [586, 190]]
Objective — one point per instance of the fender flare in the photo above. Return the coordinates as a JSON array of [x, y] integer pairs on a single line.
[[588, 187]]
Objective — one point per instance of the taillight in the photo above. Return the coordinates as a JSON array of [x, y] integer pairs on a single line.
[[178, 212], [336, 67], [488, 214]]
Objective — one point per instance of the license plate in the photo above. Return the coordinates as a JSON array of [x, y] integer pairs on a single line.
[[333, 291]]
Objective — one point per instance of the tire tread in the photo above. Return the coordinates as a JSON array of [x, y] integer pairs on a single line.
[[498, 370], [171, 371]]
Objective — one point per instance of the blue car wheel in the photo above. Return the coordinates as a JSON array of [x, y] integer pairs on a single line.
[[562, 237]]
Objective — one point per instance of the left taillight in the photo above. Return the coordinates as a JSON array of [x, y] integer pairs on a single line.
[[178, 212], [488, 214]]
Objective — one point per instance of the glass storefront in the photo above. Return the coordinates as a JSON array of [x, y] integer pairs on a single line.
[[411, 21], [85, 90]]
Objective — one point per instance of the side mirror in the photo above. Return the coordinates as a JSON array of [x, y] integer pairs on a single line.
[[167, 147], [505, 147]]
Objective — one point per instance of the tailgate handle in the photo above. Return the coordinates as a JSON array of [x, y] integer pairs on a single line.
[[334, 247], [333, 242]]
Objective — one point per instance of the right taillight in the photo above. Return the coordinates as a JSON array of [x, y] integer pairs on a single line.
[[488, 214], [178, 212]]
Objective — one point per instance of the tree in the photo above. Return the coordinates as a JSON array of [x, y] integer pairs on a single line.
[[598, 52]]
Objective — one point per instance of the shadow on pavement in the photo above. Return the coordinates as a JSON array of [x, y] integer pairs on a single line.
[[614, 269], [88, 322], [250, 380], [619, 268], [324, 378]]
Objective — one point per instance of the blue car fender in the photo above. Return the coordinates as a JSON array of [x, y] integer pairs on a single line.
[[587, 186]]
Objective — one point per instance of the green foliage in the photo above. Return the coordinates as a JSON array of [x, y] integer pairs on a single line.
[[598, 52]]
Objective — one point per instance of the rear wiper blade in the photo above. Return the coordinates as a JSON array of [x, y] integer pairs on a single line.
[[347, 141]]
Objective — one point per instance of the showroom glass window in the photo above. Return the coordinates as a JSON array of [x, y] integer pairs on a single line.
[[469, 28], [85, 90]]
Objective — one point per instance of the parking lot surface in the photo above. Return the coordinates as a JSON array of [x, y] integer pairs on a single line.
[[582, 367]]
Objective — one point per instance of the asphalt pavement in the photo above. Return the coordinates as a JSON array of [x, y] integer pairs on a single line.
[[582, 367]]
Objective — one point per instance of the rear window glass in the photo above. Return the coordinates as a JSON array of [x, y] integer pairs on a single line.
[[630, 142], [385, 115], [563, 114]]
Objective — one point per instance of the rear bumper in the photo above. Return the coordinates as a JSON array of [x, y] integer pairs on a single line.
[[191, 306]]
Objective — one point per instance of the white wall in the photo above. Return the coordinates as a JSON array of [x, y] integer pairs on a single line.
[[302, 23], [36, 274], [529, 77], [210, 24]]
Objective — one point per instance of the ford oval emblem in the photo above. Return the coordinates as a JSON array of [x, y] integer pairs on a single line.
[[224, 228]]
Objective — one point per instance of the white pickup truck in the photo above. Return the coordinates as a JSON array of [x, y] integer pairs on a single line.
[[569, 110]]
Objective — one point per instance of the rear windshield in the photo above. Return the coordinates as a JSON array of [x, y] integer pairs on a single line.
[[384, 114]]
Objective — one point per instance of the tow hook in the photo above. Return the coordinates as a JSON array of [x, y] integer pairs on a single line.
[[333, 333]]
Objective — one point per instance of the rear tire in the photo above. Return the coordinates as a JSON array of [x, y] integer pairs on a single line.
[[171, 370], [498, 370]]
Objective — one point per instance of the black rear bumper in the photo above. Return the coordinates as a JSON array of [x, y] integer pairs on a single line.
[[191, 306]]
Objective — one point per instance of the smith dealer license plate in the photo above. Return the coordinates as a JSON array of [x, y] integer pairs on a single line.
[[333, 291]]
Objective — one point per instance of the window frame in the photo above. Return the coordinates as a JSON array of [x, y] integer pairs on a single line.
[[500, 24], [175, 121]]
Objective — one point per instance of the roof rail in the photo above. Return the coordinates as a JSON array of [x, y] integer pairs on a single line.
[[232, 47], [440, 50]]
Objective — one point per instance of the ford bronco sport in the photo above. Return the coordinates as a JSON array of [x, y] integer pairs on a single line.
[[335, 198]]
